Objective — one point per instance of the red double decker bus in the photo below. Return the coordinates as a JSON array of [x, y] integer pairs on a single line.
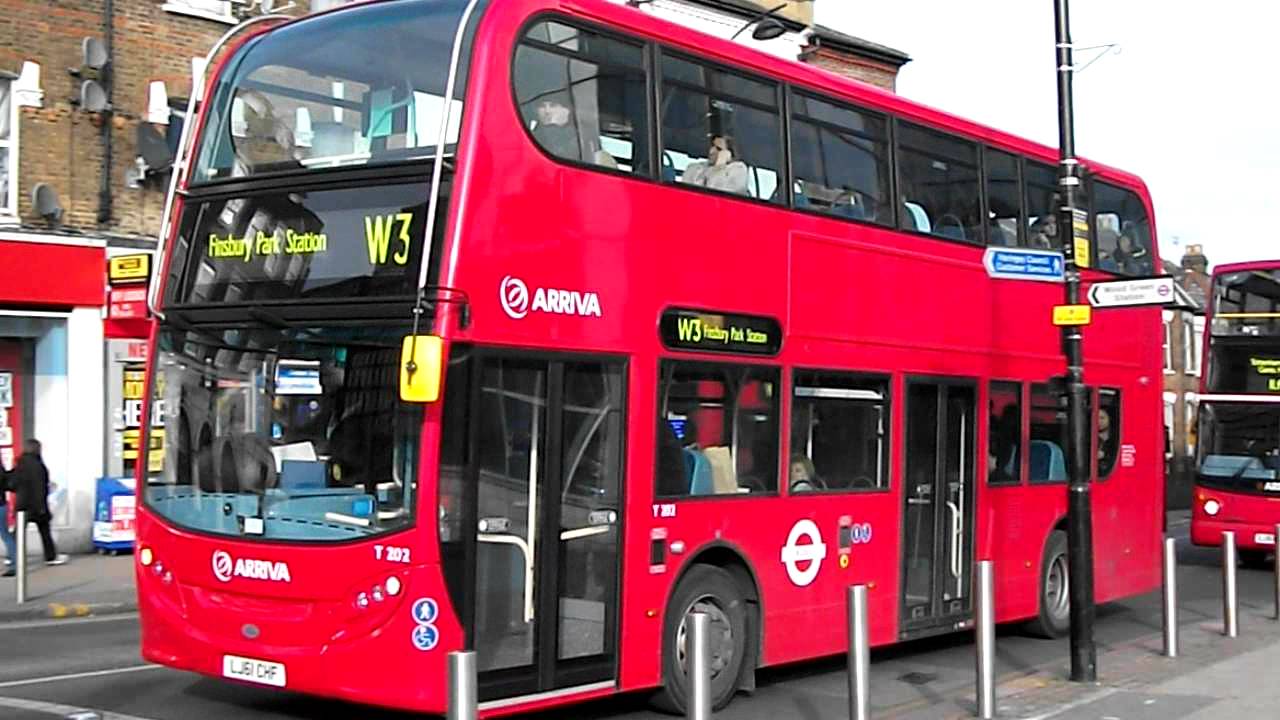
[[528, 327], [1238, 442]]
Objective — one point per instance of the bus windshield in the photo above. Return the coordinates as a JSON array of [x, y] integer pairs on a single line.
[[1239, 446], [362, 87], [1247, 303], [284, 434]]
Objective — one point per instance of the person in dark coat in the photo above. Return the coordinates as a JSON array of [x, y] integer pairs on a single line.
[[30, 480]]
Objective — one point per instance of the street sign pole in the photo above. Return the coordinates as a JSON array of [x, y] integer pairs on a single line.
[[1084, 656]]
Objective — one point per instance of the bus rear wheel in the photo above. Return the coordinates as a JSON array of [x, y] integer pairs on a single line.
[[713, 591], [1054, 591]]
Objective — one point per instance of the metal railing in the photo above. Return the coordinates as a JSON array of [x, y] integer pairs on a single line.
[[1170, 598], [20, 562], [1230, 600], [986, 641]]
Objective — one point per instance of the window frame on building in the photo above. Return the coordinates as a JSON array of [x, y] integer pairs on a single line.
[[204, 9], [9, 142]]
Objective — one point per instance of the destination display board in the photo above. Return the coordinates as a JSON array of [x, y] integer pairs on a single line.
[[282, 245], [720, 332], [1236, 369]]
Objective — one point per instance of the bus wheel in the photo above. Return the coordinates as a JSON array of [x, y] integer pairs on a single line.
[[1054, 597], [1255, 559], [710, 590]]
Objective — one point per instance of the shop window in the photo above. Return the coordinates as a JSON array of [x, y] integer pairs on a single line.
[[583, 97], [721, 131], [839, 433], [1004, 436], [717, 430]]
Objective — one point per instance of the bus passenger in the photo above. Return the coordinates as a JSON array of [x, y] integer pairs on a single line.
[[720, 171], [553, 132], [804, 478], [1131, 258]]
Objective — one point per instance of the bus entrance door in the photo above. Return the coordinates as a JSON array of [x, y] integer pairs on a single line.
[[939, 507], [546, 506]]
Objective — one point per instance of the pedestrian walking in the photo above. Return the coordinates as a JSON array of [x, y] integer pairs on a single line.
[[10, 544], [30, 479]]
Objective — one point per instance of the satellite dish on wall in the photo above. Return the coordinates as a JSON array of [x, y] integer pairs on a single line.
[[93, 98], [94, 53], [45, 201]]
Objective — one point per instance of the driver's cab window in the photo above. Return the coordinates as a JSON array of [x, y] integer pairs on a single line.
[[839, 433], [717, 430]]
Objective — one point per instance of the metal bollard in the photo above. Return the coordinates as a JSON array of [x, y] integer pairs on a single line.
[[1230, 620], [20, 562], [463, 698], [1275, 536], [699, 667], [1170, 598], [859, 655], [986, 632]]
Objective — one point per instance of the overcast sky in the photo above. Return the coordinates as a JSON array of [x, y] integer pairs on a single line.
[[1190, 103]]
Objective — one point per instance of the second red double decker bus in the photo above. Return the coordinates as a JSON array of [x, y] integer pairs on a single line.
[[527, 327], [1238, 444]]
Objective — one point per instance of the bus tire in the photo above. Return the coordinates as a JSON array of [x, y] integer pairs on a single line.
[[709, 589], [1254, 559], [1053, 590]]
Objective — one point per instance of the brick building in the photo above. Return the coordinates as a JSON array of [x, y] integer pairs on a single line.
[[1184, 327], [800, 39], [73, 194]]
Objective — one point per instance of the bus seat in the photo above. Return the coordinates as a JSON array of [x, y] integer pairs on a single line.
[[1048, 463], [918, 217], [699, 469], [724, 478]]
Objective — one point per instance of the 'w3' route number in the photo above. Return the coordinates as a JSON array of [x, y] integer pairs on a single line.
[[380, 230]]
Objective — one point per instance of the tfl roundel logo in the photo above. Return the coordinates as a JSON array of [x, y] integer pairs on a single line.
[[222, 565], [515, 297]]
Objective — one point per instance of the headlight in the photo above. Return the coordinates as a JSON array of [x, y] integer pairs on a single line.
[[1211, 507]]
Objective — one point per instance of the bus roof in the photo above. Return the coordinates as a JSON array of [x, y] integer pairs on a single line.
[[1247, 266], [734, 54]]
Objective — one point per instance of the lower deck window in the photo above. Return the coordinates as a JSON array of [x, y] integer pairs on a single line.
[[717, 430], [839, 433]]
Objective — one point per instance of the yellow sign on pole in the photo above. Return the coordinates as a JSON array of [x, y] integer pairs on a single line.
[[1072, 315]]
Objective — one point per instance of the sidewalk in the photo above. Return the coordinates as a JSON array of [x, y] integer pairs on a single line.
[[1213, 677], [87, 585]]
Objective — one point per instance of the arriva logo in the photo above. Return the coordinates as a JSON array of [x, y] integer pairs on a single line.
[[225, 568], [514, 295]]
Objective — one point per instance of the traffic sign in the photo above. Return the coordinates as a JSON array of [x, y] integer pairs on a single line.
[[1021, 264], [1072, 315], [1131, 293]]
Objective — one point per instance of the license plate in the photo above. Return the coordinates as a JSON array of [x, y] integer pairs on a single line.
[[254, 671], [1264, 538]]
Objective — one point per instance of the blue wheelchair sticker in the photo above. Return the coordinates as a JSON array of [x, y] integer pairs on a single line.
[[425, 611], [425, 637]]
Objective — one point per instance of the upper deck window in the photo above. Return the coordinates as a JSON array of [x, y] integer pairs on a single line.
[[938, 179], [1247, 303], [1124, 233], [358, 87], [1004, 203], [1042, 207], [721, 131], [583, 96], [841, 160]]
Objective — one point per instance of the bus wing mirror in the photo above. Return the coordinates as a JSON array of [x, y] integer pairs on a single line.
[[420, 357]]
